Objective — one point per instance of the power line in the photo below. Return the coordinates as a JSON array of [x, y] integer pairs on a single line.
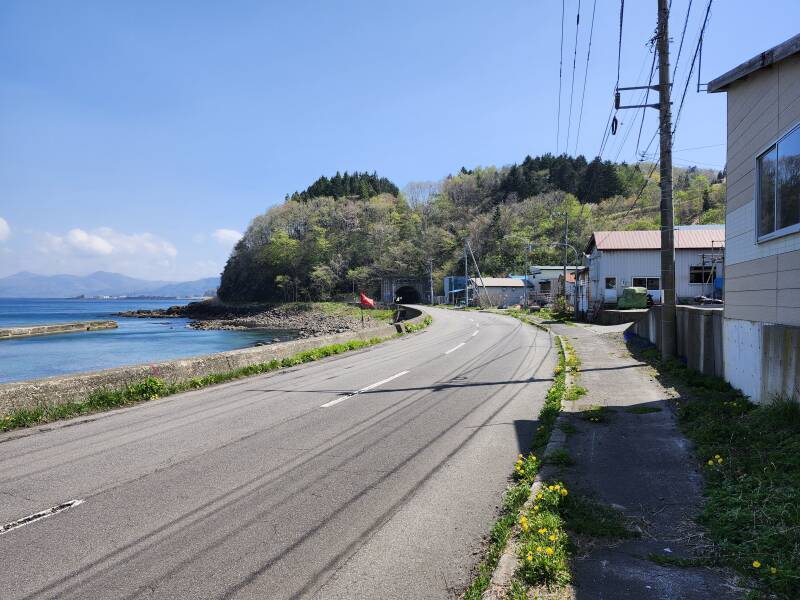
[[683, 35], [572, 81], [560, 70], [646, 98], [607, 131], [585, 77], [691, 67]]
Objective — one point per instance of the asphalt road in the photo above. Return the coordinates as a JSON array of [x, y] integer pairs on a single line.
[[285, 485]]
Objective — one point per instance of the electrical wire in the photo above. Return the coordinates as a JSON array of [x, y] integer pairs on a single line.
[[585, 77], [572, 80], [691, 67], [560, 71], [683, 35]]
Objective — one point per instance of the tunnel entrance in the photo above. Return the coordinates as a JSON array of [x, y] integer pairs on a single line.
[[407, 295]]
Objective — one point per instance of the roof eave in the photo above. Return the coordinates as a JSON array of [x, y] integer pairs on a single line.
[[763, 60]]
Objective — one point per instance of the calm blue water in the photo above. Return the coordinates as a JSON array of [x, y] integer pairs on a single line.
[[135, 341]]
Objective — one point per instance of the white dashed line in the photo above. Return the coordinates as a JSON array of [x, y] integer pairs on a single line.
[[474, 333], [456, 348], [366, 389], [38, 516]]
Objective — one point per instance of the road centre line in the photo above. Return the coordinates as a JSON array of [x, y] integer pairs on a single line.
[[456, 348], [366, 389], [474, 333]]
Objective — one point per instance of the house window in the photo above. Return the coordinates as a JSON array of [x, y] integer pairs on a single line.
[[702, 274], [649, 283], [544, 287], [611, 283], [778, 190]]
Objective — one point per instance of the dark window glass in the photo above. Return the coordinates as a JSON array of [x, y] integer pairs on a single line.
[[640, 282], [788, 204], [653, 283], [766, 191], [701, 274], [611, 283]]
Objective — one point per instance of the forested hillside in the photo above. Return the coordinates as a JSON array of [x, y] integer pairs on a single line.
[[351, 230]]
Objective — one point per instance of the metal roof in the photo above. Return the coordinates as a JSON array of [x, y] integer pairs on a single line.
[[498, 281], [769, 57], [688, 238]]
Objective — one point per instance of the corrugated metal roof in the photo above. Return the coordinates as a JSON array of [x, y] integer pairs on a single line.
[[499, 282], [651, 240]]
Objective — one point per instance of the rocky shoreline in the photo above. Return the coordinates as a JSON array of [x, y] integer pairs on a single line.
[[303, 319]]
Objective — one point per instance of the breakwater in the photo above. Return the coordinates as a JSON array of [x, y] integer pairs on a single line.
[[7, 333]]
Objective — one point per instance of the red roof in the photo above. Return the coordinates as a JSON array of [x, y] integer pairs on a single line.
[[651, 240]]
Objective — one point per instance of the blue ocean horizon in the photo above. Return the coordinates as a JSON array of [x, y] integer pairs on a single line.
[[136, 341]]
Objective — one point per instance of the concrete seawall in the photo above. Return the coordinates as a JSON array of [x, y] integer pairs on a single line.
[[7, 333], [67, 388]]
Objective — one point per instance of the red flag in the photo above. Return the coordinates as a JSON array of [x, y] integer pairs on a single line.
[[365, 301]]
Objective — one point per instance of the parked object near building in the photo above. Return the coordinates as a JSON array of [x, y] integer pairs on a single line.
[[620, 259], [761, 325], [633, 297]]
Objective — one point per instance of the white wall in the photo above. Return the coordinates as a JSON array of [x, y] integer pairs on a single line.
[[627, 264]]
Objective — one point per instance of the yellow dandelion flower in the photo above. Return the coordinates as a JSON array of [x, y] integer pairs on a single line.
[[549, 551], [538, 548], [552, 538], [535, 507], [543, 530], [710, 462], [564, 491], [773, 570], [556, 487], [719, 460], [519, 456], [717, 456], [756, 564], [529, 557]]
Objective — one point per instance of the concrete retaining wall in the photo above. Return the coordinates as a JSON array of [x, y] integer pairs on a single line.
[[18, 332], [699, 335], [67, 388]]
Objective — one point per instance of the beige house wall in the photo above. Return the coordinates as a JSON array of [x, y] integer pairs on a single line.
[[762, 280]]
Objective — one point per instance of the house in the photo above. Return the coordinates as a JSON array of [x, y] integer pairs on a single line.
[[498, 291], [620, 259], [761, 320]]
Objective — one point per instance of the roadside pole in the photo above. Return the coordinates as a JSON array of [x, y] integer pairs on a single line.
[[466, 277], [667, 214]]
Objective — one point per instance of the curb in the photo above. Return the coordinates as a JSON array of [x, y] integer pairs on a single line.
[[506, 567]]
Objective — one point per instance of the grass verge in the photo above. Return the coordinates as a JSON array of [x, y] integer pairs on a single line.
[[751, 458], [152, 388], [525, 470]]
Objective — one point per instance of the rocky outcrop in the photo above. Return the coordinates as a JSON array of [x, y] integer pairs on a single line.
[[301, 318]]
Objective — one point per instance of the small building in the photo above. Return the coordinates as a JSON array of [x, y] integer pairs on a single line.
[[453, 288], [761, 319], [620, 259], [498, 291]]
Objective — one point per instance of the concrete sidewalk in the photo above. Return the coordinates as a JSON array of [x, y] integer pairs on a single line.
[[640, 463]]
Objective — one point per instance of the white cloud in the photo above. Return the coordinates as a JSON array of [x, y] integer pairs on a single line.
[[226, 237], [108, 242], [5, 230]]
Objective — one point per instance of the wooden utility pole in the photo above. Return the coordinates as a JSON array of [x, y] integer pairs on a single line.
[[667, 213], [466, 277]]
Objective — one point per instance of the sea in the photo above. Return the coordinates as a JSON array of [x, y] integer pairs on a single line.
[[136, 341]]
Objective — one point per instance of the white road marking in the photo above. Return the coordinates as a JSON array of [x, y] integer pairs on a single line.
[[39, 516], [474, 333], [366, 389], [456, 348]]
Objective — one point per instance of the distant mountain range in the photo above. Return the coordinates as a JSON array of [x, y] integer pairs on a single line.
[[101, 283]]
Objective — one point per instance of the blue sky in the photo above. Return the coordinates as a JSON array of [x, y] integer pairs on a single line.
[[142, 136]]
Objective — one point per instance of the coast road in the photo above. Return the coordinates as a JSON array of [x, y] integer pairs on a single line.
[[373, 474]]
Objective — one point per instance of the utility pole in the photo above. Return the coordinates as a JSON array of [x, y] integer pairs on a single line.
[[665, 161], [667, 213], [566, 232], [431, 267], [466, 277]]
